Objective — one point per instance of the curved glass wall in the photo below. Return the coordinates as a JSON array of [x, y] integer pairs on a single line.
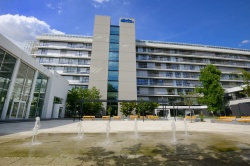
[[39, 96], [21, 92], [7, 64]]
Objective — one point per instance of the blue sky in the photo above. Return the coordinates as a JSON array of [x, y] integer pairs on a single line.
[[208, 22]]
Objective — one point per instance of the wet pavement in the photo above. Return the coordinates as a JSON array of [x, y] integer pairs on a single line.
[[57, 143]]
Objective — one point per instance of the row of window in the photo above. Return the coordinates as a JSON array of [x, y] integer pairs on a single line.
[[165, 91], [71, 45], [77, 70], [168, 66], [64, 61], [113, 65], [218, 62], [64, 52], [190, 52], [163, 82]]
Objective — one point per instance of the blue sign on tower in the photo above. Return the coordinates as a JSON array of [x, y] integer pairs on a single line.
[[127, 20]]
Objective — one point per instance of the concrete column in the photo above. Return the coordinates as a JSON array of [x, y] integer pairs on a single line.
[[11, 87], [127, 61], [31, 94], [98, 76]]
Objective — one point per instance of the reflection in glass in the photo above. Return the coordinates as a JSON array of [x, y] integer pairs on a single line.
[[113, 47], [112, 86], [113, 75], [114, 39], [113, 65], [113, 56], [112, 96], [114, 30], [39, 95], [21, 93]]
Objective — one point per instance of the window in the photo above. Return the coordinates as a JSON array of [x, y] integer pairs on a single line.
[[113, 75], [50, 67], [69, 69], [112, 95], [63, 52], [169, 74], [142, 65], [78, 53], [178, 83], [42, 51], [84, 79], [142, 81], [113, 65], [112, 86], [114, 39], [113, 56], [177, 74], [113, 47], [114, 30]]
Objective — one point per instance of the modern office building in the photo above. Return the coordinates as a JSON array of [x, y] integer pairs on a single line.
[[28, 89], [125, 68]]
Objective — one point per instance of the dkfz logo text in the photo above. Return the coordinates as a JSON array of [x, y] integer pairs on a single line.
[[127, 20]]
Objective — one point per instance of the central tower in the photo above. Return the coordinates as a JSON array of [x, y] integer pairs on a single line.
[[113, 61]]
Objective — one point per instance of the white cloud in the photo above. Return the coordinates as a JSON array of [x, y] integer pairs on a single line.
[[58, 7], [49, 5], [126, 2], [101, 1], [244, 42], [20, 29]]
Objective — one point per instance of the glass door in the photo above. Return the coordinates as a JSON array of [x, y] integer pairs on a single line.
[[18, 109], [14, 109], [21, 110]]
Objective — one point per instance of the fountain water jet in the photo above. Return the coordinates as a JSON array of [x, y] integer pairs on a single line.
[[185, 125], [80, 130], [174, 131], [136, 129], [108, 131], [35, 129]]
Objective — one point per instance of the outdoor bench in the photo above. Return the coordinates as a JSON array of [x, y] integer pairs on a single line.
[[89, 117], [149, 116], [191, 118], [141, 117], [244, 119], [227, 118], [106, 117], [116, 117], [153, 117], [133, 116]]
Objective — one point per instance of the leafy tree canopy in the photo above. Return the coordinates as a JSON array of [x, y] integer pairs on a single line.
[[127, 108], [89, 108], [245, 76], [211, 89]]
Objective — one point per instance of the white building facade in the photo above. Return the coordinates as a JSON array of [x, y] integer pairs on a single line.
[[124, 68], [28, 89]]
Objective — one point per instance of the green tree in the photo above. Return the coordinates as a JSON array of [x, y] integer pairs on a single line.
[[77, 97], [150, 107], [245, 76], [109, 110], [140, 107], [127, 108], [72, 102], [211, 91], [189, 99]]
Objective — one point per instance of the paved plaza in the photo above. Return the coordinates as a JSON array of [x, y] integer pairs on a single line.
[[128, 143]]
